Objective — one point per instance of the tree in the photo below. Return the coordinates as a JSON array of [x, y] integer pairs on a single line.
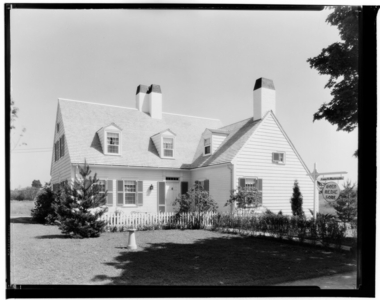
[[44, 211], [14, 111], [245, 197], [346, 205], [36, 184], [80, 206], [341, 62], [297, 200]]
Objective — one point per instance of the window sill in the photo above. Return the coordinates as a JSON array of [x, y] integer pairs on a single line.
[[164, 157], [112, 154], [207, 154], [279, 163]]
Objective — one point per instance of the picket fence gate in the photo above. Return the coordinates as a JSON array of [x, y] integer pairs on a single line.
[[147, 219]]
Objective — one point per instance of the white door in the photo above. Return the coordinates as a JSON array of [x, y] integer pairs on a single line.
[[172, 191]]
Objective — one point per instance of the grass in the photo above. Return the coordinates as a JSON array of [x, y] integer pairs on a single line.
[[41, 255], [21, 208]]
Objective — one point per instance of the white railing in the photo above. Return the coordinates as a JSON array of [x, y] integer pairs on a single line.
[[147, 219]]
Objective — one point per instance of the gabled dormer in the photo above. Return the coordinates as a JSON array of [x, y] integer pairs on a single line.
[[110, 138], [212, 139], [165, 143]]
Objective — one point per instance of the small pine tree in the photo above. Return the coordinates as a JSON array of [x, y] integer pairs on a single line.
[[346, 205], [296, 201], [80, 206]]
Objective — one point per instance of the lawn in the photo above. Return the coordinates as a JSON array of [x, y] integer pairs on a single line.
[[41, 255], [21, 208]]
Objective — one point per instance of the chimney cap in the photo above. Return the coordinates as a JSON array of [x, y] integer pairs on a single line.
[[154, 88], [264, 83], [142, 89]]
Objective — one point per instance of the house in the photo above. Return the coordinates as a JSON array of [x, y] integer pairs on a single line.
[[146, 157]]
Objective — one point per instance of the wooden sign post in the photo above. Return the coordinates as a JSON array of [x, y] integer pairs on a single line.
[[314, 175]]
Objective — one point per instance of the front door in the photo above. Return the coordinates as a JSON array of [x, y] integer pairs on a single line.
[[171, 193]]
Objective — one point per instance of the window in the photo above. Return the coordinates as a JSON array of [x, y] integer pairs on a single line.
[[250, 183], [130, 192], [106, 185], [278, 157], [102, 186], [168, 147], [56, 146], [112, 143], [207, 146], [62, 145], [57, 127]]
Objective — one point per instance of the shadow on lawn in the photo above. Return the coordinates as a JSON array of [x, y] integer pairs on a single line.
[[228, 260], [23, 220]]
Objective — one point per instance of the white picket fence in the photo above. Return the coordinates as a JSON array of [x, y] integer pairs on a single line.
[[136, 220]]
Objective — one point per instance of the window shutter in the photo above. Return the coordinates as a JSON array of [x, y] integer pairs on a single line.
[[140, 193], [110, 192], [63, 145], [161, 193], [120, 192], [260, 188], [242, 182], [184, 187], [206, 185]]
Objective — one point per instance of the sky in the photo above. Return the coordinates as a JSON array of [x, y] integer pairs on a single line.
[[206, 63]]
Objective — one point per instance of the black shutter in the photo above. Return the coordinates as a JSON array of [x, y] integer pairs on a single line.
[[140, 193], [242, 182], [120, 192], [109, 192], [206, 185], [184, 187], [260, 188], [63, 145], [161, 193]]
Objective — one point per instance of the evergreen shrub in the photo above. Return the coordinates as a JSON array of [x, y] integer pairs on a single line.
[[43, 211]]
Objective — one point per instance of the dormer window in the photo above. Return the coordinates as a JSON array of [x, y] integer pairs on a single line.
[[207, 144], [168, 147], [113, 143], [110, 138]]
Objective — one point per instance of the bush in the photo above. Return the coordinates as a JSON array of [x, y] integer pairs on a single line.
[[44, 210], [345, 205], [80, 205], [28, 193]]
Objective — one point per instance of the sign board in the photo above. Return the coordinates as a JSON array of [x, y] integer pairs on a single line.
[[331, 178], [331, 191]]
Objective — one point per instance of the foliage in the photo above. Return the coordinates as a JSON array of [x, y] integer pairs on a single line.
[[340, 62], [14, 111], [326, 229], [346, 204], [196, 201], [245, 197], [80, 205], [28, 193], [43, 211], [36, 184], [297, 200]]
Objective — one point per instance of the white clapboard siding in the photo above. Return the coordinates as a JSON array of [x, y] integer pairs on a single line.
[[219, 183], [255, 160], [60, 169], [216, 140]]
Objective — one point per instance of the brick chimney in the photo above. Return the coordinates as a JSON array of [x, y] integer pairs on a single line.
[[264, 98]]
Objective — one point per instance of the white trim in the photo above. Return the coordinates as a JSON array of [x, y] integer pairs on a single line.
[[210, 145], [163, 149], [190, 116], [64, 99], [106, 131]]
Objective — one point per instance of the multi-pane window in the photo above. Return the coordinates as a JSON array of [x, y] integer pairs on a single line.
[[278, 157], [56, 148], [130, 191], [112, 142], [102, 186], [207, 146], [168, 147], [250, 183]]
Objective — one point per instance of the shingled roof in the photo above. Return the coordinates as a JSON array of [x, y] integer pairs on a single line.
[[82, 120]]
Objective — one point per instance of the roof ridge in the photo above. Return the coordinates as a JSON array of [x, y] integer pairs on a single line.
[[190, 116], [238, 122], [96, 103]]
